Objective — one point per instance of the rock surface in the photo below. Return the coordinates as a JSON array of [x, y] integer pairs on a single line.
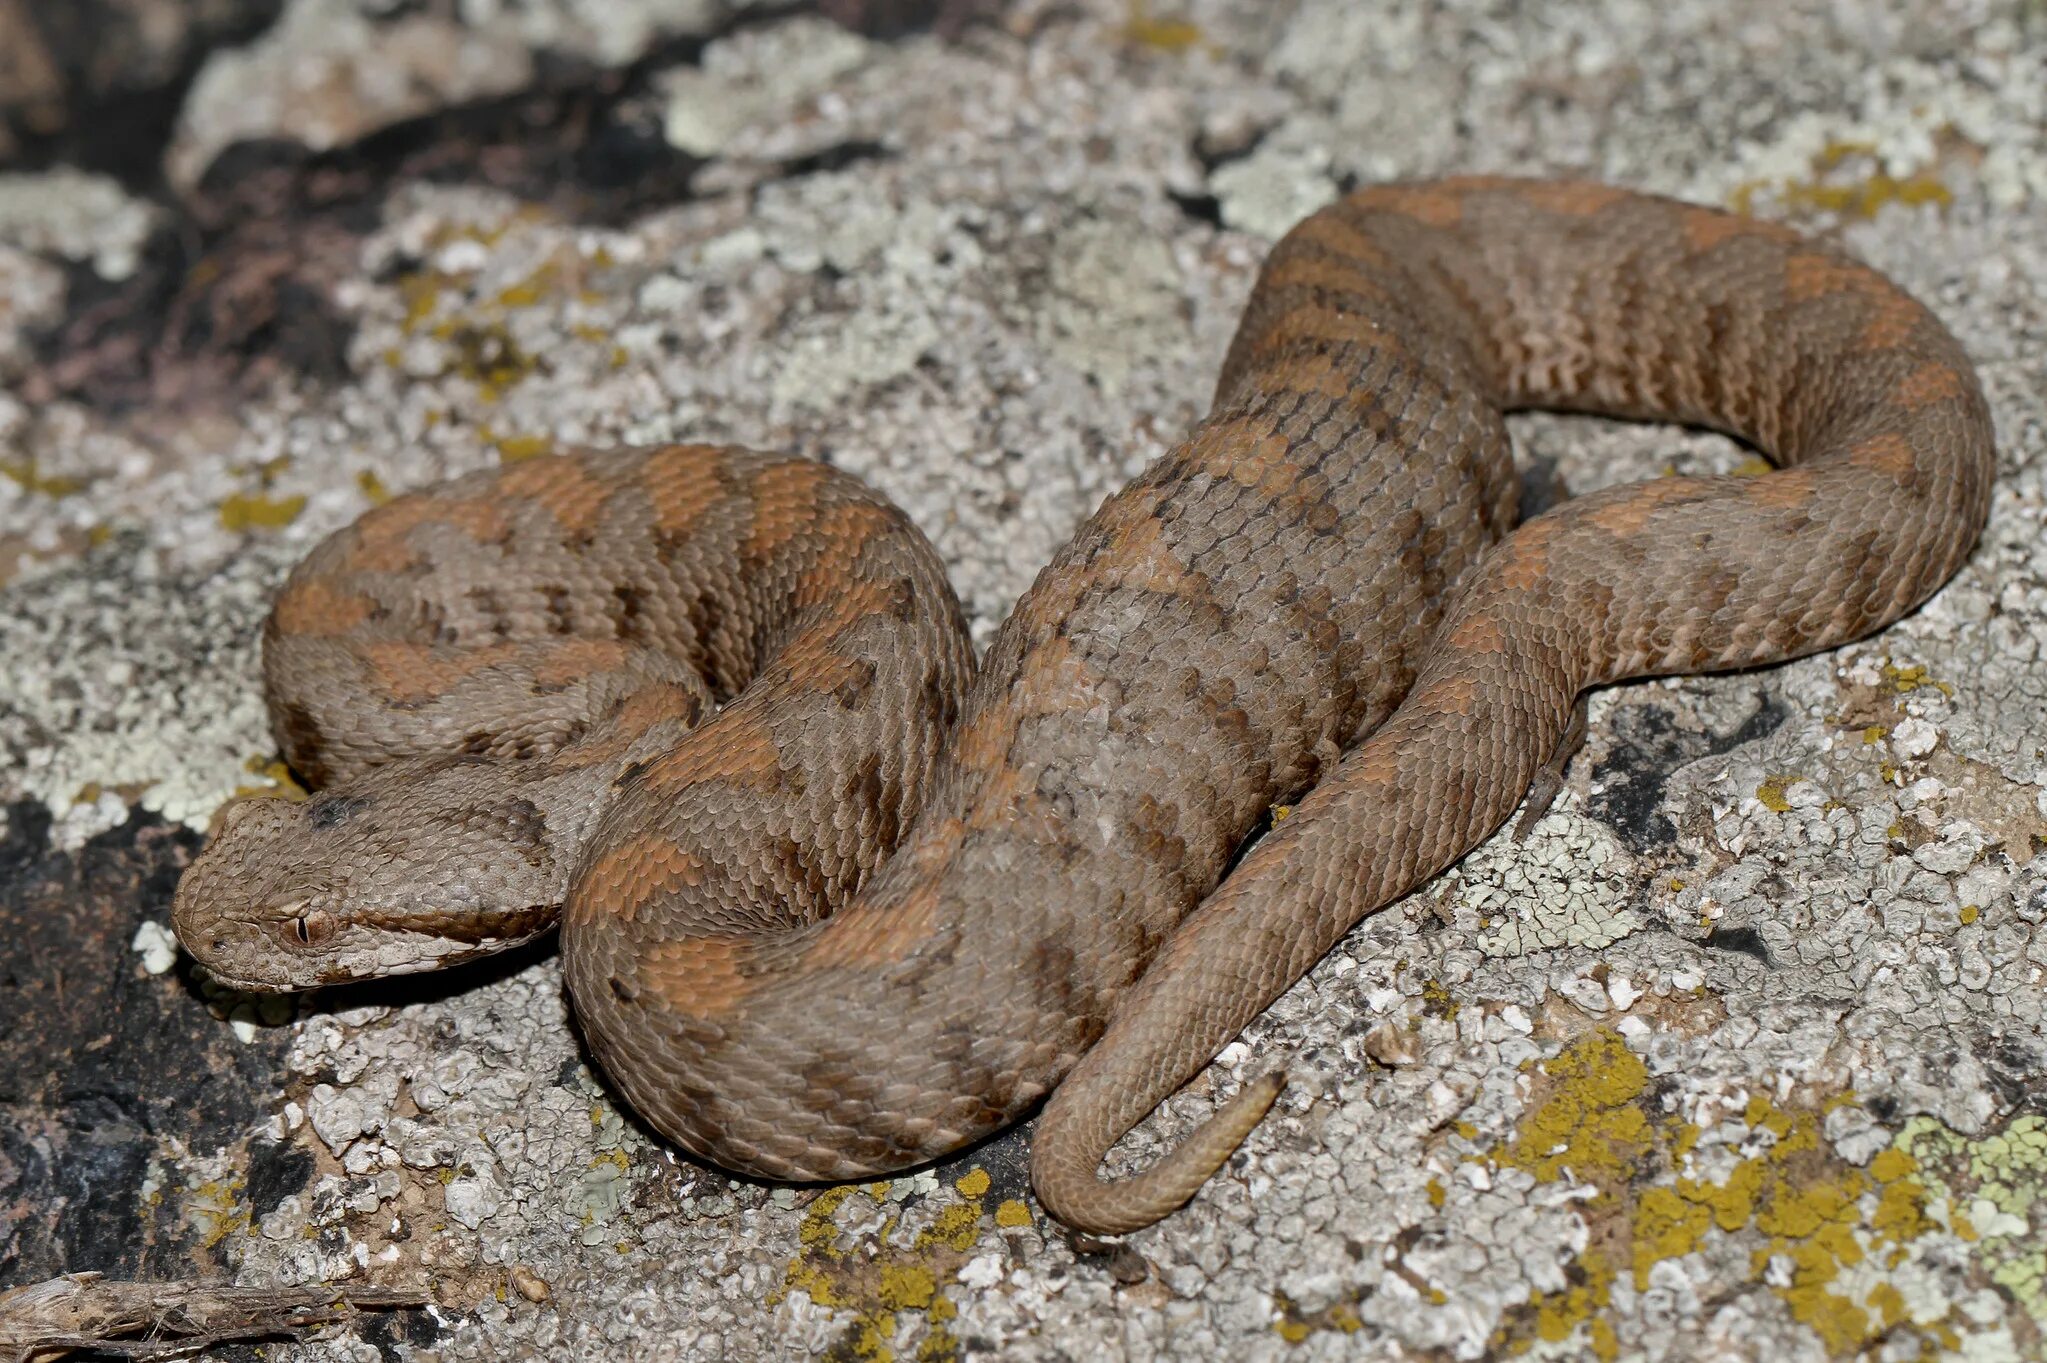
[[1738, 1055]]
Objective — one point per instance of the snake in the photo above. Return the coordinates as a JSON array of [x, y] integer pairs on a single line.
[[834, 901]]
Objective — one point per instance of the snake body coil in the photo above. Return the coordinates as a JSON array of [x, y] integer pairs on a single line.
[[878, 905]]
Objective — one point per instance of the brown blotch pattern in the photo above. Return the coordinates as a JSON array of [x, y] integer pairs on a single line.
[[563, 487], [320, 609], [411, 672]]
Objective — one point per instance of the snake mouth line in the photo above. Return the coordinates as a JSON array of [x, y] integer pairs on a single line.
[[502, 928]]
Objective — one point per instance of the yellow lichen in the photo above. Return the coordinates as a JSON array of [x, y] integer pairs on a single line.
[[1905, 680], [216, 1208], [25, 473], [514, 448], [956, 1228], [421, 294], [939, 1346], [1012, 1213], [1808, 1210], [906, 1287], [1771, 793], [1436, 1000], [253, 511], [1667, 1226], [490, 357], [885, 1285], [1559, 1314], [1295, 1325], [1860, 197], [1146, 29], [974, 1183], [1589, 1124]]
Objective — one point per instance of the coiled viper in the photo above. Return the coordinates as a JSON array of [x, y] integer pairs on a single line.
[[508, 681]]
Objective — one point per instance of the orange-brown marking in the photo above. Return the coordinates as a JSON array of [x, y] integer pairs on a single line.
[[849, 527], [1009, 801], [879, 934], [562, 486], [656, 705], [1930, 383], [703, 977], [380, 536], [1785, 490], [784, 506], [1259, 464], [409, 672], [853, 601], [1437, 205], [681, 484], [1456, 695], [317, 608], [982, 743], [933, 849], [1524, 559], [1888, 453], [1339, 236], [1704, 229], [573, 659], [1629, 512], [744, 752], [1574, 199], [1322, 272], [1813, 274], [1144, 559], [651, 705], [635, 871], [1892, 320], [815, 666], [1478, 634]]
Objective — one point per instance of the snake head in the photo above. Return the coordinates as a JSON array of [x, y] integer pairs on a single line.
[[382, 878]]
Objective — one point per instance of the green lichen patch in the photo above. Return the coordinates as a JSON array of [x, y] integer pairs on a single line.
[[1995, 1187]]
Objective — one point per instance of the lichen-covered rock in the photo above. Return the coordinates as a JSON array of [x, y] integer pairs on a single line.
[[1726, 1059]]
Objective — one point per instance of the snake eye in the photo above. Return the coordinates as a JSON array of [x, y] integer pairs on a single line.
[[306, 928]]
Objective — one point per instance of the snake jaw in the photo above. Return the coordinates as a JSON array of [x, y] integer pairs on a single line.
[[296, 946]]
